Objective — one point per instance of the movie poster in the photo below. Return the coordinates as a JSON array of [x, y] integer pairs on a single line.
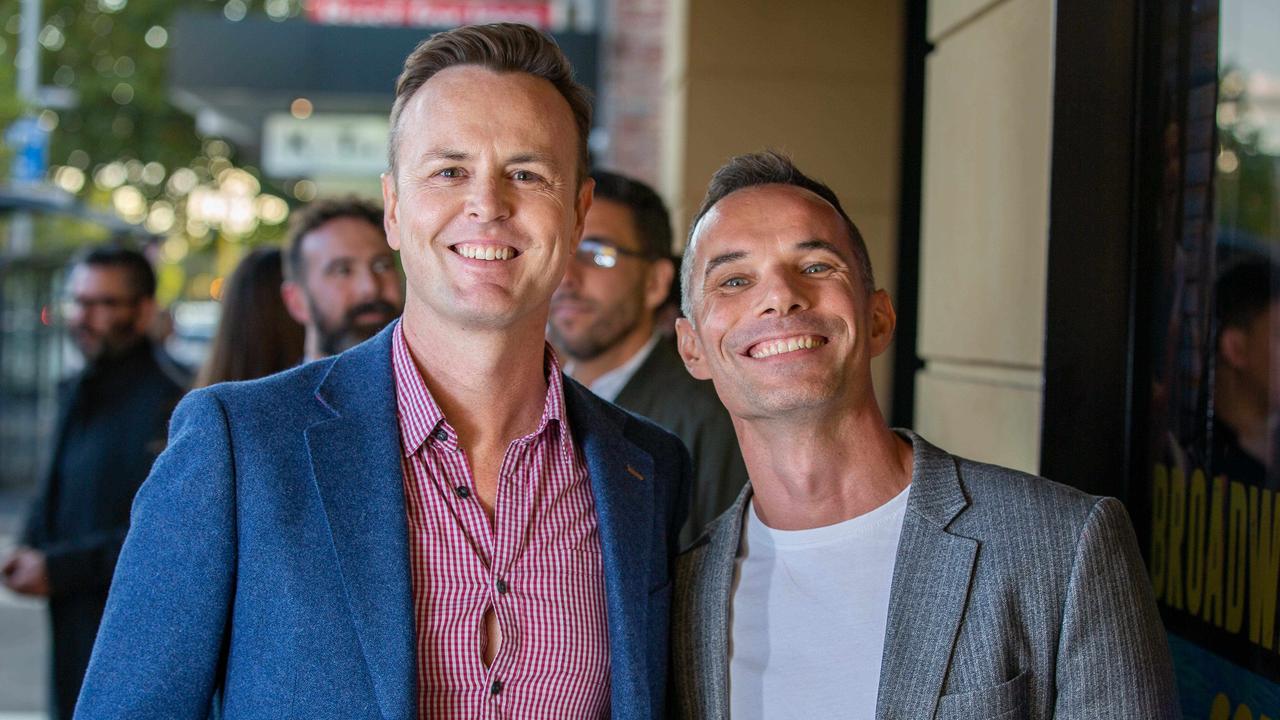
[[1214, 544]]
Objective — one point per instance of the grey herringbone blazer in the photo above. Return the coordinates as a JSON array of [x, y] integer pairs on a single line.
[[1012, 597]]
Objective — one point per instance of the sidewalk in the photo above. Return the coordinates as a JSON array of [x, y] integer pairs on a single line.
[[24, 634]]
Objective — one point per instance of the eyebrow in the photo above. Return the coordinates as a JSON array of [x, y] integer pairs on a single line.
[[722, 259], [445, 154], [816, 244], [457, 155]]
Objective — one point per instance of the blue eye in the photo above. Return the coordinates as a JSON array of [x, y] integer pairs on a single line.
[[450, 173], [525, 176], [734, 282], [817, 268]]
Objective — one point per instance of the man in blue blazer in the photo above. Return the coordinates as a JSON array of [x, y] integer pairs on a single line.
[[275, 565]]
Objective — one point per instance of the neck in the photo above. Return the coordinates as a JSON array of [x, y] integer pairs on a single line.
[[111, 358], [311, 345], [822, 470], [491, 385], [587, 371], [1244, 409]]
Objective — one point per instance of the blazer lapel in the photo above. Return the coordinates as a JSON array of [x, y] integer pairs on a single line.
[[931, 581], [355, 458], [714, 596], [621, 484]]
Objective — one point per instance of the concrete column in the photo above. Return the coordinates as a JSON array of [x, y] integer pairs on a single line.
[[984, 231]]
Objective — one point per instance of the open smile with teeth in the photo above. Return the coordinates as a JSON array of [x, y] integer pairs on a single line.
[[477, 251], [769, 348]]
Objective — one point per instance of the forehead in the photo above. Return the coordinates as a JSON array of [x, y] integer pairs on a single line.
[[343, 237], [611, 220], [768, 217], [471, 109], [99, 279]]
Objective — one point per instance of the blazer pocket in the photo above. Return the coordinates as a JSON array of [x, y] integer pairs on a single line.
[[1006, 701]]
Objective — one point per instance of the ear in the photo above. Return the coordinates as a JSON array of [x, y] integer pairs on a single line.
[[585, 195], [146, 314], [295, 301], [883, 322], [1233, 346], [390, 211], [691, 349], [658, 283]]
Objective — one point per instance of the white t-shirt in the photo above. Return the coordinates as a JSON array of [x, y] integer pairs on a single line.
[[808, 616]]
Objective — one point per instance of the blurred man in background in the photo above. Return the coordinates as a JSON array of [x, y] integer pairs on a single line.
[[602, 319], [341, 279], [112, 421], [1246, 391]]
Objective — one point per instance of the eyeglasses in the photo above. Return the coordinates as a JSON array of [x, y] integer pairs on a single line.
[[594, 251], [89, 303]]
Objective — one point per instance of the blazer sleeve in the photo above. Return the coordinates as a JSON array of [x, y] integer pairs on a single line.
[[1113, 655], [158, 652]]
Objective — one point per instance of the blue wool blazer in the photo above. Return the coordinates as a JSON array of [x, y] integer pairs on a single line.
[[267, 560]]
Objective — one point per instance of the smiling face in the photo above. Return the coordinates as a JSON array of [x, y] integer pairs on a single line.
[[486, 207], [781, 321]]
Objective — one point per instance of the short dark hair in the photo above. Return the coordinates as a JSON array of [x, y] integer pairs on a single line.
[[502, 48], [318, 213], [648, 212], [766, 168], [1244, 290], [140, 275]]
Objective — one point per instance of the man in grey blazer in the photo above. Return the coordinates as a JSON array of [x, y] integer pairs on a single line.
[[864, 572]]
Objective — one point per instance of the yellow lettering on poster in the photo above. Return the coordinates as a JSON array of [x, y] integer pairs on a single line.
[[1264, 565], [1221, 708], [1215, 557], [1177, 513], [1195, 542], [1237, 554], [1159, 526]]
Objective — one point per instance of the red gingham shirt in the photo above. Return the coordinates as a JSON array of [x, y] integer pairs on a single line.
[[538, 565]]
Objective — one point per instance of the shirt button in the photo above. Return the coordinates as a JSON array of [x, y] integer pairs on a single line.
[[440, 435], [462, 491], [501, 585], [496, 687]]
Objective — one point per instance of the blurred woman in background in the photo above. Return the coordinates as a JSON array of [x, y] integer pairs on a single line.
[[256, 336]]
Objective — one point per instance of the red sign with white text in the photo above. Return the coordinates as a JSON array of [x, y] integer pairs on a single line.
[[428, 13]]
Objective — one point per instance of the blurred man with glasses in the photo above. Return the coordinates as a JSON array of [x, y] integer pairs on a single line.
[[602, 320], [112, 421]]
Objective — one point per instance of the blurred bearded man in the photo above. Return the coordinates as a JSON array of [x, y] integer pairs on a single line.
[[435, 523], [341, 279], [112, 420]]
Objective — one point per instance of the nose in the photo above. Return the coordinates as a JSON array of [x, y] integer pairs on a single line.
[[366, 284], [781, 295], [487, 201]]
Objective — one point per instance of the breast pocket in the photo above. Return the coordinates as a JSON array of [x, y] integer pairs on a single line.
[[1006, 701]]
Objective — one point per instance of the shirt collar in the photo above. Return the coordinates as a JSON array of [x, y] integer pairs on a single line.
[[609, 385], [420, 416]]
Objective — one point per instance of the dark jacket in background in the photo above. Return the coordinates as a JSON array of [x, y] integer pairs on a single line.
[[663, 391], [112, 421]]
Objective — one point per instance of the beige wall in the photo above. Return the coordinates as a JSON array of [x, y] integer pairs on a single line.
[[818, 79], [984, 230]]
